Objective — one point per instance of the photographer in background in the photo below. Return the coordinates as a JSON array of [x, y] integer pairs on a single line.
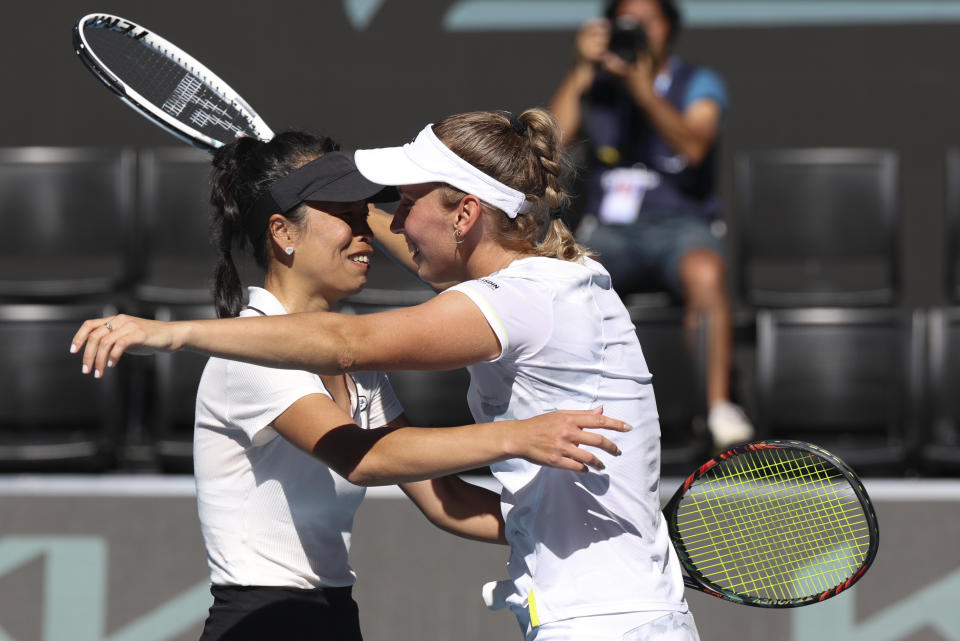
[[651, 121]]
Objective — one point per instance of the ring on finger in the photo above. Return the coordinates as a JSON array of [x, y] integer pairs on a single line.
[[108, 326]]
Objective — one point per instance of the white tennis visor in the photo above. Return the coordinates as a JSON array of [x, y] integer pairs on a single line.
[[428, 160]]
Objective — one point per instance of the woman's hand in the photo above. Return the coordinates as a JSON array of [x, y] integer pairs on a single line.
[[554, 439], [107, 339]]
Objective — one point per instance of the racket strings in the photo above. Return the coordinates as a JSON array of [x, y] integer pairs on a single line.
[[753, 575], [758, 512], [777, 535], [773, 525], [168, 84], [752, 534], [817, 539]]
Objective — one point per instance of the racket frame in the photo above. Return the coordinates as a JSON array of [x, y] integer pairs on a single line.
[[145, 107], [694, 579]]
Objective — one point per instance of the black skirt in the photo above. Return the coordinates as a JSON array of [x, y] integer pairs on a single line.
[[248, 613]]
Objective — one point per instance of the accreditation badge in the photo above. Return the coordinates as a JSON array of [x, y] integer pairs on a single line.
[[623, 191]]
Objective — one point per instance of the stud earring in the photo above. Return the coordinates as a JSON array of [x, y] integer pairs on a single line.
[[289, 251], [456, 236]]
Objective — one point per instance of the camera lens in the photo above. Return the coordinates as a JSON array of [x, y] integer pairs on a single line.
[[627, 38]]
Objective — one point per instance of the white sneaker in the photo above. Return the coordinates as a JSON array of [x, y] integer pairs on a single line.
[[728, 425]]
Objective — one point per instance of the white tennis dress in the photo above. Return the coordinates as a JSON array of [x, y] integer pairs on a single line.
[[271, 514], [581, 544]]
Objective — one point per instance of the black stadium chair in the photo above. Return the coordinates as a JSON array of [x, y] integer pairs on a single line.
[[176, 255], [171, 387], [940, 444], [951, 261], [848, 379], [677, 359], [433, 399], [818, 227], [67, 213], [53, 418]]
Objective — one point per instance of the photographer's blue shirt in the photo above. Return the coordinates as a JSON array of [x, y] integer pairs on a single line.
[[620, 136]]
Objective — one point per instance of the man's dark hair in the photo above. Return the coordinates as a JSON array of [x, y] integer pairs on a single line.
[[669, 9]]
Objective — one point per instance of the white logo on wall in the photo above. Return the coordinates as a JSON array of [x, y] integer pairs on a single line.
[[75, 592], [933, 606]]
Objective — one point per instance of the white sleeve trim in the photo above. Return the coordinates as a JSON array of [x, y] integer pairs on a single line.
[[488, 313]]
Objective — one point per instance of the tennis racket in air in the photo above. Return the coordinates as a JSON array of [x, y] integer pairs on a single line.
[[164, 83], [774, 524]]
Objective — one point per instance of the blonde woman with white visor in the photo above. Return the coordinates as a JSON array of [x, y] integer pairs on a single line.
[[539, 327]]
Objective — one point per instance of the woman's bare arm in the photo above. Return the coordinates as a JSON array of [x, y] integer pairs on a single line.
[[397, 453], [460, 508], [446, 332], [364, 458]]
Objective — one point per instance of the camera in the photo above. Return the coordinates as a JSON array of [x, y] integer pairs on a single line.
[[627, 39]]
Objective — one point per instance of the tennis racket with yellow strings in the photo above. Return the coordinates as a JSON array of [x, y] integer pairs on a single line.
[[775, 524]]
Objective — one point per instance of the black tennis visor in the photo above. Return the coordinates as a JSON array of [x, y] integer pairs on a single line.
[[333, 177]]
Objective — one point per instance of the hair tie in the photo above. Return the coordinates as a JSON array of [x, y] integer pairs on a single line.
[[518, 126], [556, 213]]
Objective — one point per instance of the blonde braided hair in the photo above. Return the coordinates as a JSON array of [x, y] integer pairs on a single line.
[[524, 153]]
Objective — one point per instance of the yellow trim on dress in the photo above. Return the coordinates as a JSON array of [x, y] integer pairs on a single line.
[[532, 609]]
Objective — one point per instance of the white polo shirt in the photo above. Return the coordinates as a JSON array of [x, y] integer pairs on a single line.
[[581, 544], [271, 514]]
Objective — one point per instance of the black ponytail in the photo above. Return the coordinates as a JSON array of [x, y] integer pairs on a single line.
[[242, 171]]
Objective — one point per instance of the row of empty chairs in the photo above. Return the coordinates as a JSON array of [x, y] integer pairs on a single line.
[[95, 222], [810, 226], [817, 266], [819, 227], [877, 386]]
